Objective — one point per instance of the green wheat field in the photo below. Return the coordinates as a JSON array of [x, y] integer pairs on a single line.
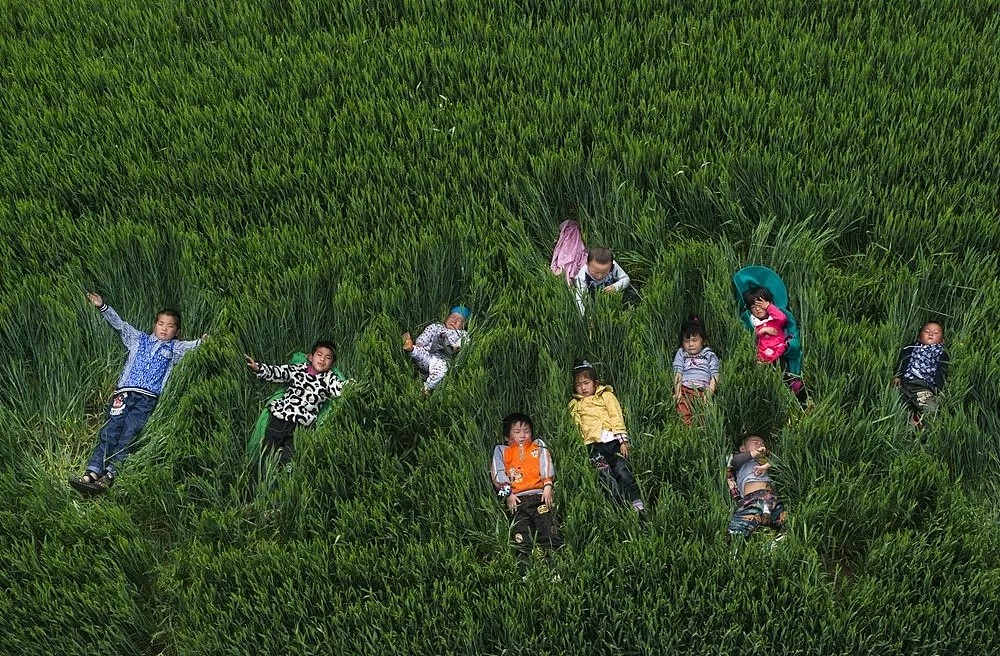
[[283, 171]]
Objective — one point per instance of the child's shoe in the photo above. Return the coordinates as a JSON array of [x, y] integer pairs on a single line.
[[638, 506], [105, 482], [86, 484]]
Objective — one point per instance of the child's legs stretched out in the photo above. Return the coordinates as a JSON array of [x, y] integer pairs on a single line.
[[114, 424], [609, 454], [127, 415], [278, 439], [918, 396], [534, 523], [433, 365], [686, 404], [760, 508]]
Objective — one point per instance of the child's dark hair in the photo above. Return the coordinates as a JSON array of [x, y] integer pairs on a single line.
[[584, 367], [755, 294], [516, 418], [601, 255], [322, 343], [172, 313], [693, 327]]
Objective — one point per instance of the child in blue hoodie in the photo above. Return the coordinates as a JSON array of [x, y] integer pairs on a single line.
[[151, 358]]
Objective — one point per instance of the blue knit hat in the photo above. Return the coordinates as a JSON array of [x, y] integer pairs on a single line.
[[461, 309]]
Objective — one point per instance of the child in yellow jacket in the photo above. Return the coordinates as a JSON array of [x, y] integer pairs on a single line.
[[596, 410]]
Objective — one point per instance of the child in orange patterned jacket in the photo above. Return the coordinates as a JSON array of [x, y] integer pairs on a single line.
[[523, 473]]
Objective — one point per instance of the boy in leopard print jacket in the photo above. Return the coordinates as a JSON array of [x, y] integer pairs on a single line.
[[309, 386]]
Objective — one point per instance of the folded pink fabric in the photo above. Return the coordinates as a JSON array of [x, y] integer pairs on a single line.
[[570, 254]]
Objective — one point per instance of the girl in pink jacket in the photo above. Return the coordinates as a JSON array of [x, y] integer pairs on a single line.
[[769, 326]]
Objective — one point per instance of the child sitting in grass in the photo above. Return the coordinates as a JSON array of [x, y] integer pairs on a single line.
[[436, 344], [603, 273], [151, 358], [596, 410], [921, 370], [523, 473], [696, 369], [310, 385], [749, 480]]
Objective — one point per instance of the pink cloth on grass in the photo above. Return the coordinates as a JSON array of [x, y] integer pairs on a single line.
[[570, 254]]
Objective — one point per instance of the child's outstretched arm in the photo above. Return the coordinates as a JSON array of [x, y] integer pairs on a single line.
[[713, 370], [186, 346], [333, 384], [129, 334], [280, 373]]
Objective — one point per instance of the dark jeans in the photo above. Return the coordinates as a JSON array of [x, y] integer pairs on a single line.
[[607, 459], [126, 415], [534, 523]]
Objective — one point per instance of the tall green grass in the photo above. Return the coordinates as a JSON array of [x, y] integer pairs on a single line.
[[285, 172]]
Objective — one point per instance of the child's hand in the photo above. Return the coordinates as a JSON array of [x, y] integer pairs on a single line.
[[768, 330], [623, 449], [95, 299], [251, 364], [546, 495], [896, 382], [512, 502], [609, 290], [761, 305], [204, 337], [760, 470]]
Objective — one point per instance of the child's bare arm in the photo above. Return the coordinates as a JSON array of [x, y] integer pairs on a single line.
[[677, 386]]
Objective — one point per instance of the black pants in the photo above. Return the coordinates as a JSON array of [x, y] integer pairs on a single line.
[[534, 523], [277, 440], [607, 459]]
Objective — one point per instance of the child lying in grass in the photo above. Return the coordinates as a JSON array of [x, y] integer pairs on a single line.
[[749, 480], [522, 472], [696, 369], [596, 410], [151, 358], [436, 344], [309, 386], [769, 323], [921, 370]]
